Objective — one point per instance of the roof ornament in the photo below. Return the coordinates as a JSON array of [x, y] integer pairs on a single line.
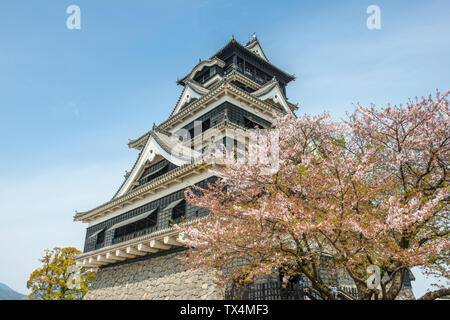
[[254, 35]]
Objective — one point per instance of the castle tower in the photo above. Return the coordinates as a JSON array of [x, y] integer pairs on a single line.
[[131, 238]]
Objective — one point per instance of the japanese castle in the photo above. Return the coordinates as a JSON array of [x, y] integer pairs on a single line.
[[131, 238]]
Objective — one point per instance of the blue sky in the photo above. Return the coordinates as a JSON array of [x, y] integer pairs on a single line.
[[71, 99]]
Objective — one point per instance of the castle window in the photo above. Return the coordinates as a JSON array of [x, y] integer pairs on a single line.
[[249, 69], [206, 125], [137, 226], [240, 64], [99, 237], [177, 209], [250, 124], [229, 61], [259, 76]]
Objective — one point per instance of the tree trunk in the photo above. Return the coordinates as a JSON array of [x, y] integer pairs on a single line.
[[396, 284]]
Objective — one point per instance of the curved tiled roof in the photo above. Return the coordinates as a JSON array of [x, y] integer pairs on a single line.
[[260, 59], [203, 63]]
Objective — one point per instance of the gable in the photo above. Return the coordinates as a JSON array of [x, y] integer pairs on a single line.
[[160, 146], [271, 92], [190, 92], [255, 47], [152, 170]]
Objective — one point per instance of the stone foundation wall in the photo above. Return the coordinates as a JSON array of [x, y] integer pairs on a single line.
[[164, 277], [160, 277]]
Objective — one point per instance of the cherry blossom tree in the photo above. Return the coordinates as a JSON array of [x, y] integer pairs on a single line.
[[347, 195]]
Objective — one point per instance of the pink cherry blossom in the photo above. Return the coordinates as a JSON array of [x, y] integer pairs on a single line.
[[372, 190]]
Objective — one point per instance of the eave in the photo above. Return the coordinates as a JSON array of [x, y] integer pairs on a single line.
[[138, 143], [223, 89], [162, 182], [159, 241], [234, 75]]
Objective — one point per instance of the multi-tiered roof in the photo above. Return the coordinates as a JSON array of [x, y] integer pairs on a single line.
[[236, 88]]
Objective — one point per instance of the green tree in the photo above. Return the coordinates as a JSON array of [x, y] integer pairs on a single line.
[[59, 278]]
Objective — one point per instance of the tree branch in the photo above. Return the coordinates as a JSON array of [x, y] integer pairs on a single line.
[[436, 294]]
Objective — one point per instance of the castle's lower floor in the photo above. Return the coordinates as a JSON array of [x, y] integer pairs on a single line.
[[164, 277], [158, 277]]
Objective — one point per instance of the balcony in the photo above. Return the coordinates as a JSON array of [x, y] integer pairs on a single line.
[[132, 235], [246, 73]]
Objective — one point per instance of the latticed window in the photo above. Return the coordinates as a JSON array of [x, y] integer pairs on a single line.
[[179, 210], [100, 237], [206, 125], [97, 239], [250, 124], [137, 226], [176, 211], [153, 172]]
